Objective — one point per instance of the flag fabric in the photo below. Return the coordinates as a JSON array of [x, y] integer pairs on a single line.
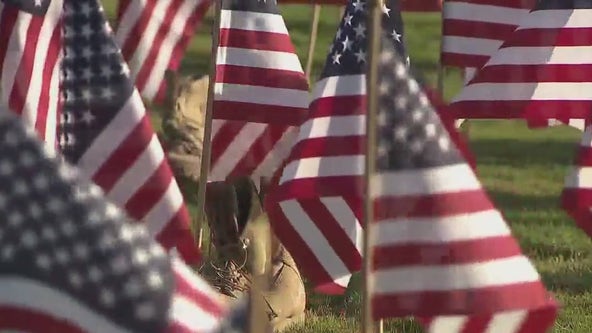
[[440, 245], [237, 318], [472, 30], [261, 92], [106, 132], [70, 261], [29, 62], [540, 72], [314, 206], [153, 36]]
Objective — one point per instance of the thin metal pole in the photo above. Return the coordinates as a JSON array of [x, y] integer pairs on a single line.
[[258, 321], [374, 34], [441, 68], [207, 139], [312, 41]]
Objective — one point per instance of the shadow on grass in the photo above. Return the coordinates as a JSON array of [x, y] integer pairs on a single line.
[[571, 282], [512, 201]]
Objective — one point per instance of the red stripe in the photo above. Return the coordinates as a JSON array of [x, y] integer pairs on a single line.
[[124, 156], [259, 113], [460, 302], [540, 320], [177, 233], [534, 73], [223, 138], [500, 3], [333, 232], [445, 253], [150, 193], [31, 321], [333, 106], [256, 40], [263, 77], [18, 93], [308, 188], [477, 29], [259, 150], [328, 147], [135, 35], [155, 45], [203, 301], [521, 109], [122, 6], [551, 37], [583, 156], [304, 257], [50, 63], [8, 18], [463, 60], [433, 205]]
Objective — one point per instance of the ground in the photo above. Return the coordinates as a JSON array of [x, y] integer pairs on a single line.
[[522, 169]]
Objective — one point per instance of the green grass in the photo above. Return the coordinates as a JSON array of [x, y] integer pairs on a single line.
[[522, 169]]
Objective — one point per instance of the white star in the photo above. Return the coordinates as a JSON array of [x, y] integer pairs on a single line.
[[87, 53], [86, 94], [75, 279], [141, 256], [62, 256], [358, 6], [423, 100], [111, 211], [43, 261], [336, 58], [430, 130], [338, 34], [106, 71], [444, 143], [38, 3], [35, 210], [346, 44], [382, 119], [383, 149], [68, 228], [15, 219], [95, 274], [385, 10], [154, 280], [157, 251], [417, 115], [386, 57], [396, 36], [360, 56], [87, 74], [7, 252], [81, 251], [384, 88], [29, 239], [87, 117], [107, 49], [85, 9], [348, 18], [48, 233], [107, 242], [360, 30], [413, 87], [400, 133], [125, 70], [107, 297], [416, 146], [86, 31], [6, 168], [400, 71]]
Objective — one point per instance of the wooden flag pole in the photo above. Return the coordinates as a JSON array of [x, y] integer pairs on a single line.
[[258, 321], [312, 42], [374, 34], [207, 139]]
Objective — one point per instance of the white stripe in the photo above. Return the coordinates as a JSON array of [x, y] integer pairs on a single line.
[[316, 241], [164, 210], [579, 124], [243, 20], [28, 294], [148, 34], [574, 91], [347, 220], [483, 13], [277, 155], [167, 47], [119, 128], [542, 55], [507, 322], [258, 58], [138, 173], [189, 315], [448, 324], [129, 19], [488, 274], [462, 227], [52, 109], [236, 150], [260, 95], [50, 21], [470, 45], [14, 54], [586, 140], [346, 85], [452, 178], [334, 126], [557, 18], [326, 166], [192, 279], [579, 177]]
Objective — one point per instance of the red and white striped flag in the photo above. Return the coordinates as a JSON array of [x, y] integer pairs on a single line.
[[315, 206], [153, 36], [440, 245], [541, 71], [472, 30], [261, 92], [106, 131], [30, 51]]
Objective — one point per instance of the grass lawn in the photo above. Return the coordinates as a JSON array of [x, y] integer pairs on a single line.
[[522, 169]]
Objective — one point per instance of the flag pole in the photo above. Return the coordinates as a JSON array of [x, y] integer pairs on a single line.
[[312, 42], [440, 64], [207, 139], [374, 34], [258, 321]]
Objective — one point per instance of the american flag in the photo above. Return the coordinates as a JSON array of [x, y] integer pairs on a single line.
[[153, 36], [29, 62], [472, 30], [71, 262], [315, 206], [440, 245], [106, 131], [237, 319], [261, 92], [541, 71]]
